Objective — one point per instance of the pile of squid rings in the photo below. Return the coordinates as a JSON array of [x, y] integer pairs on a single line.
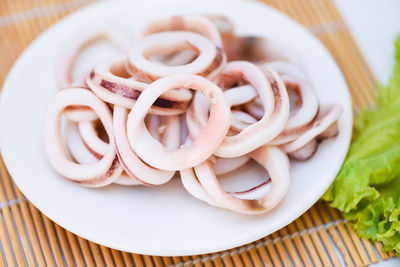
[[186, 95]]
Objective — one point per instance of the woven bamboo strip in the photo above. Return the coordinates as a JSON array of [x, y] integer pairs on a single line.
[[61, 234], [197, 261], [8, 193], [118, 258], [355, 75], [335, 236], [23, 30], [275, 260], [290, 247], [217, 260], [158, 261], [263, 254], [308, 243], [127, 259], [98, 258], [52, 237], [236, 258], [359, 249], [2, 261], [75, 249], [9, 7], [226, 258], [207, 261], [382, 254], [345, 235], [305, 15], [15, 47], [370, 249], [107, 256], [176, 260], [12, 233], [9, 257], [360, 58], [299, 244], [316, 240], [187, 260], [364, 78], [324, 236], [244, 256], [281, 249], [167, 261], [9, 50], [298, 13], [87, 255], [254, 256], [138, 261], [358, 244], [30, 227], [147, 260]]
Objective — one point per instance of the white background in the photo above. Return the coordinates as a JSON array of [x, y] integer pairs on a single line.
[[375, 25]]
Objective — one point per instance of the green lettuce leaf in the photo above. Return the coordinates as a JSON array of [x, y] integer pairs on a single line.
[[367, 188]]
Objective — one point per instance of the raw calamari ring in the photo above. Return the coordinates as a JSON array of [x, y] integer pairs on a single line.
[[110, 81], [303, 110], [131, 163], [80, 114], [327, 116], [103, 172], [197, 24], [197, 114], [223, 24], [82, 154], [309, 149], [305, 152], [227, 165], [274, 98], [240, 95], [152, 152], [91, 139], [176, 58], [209, 62], [285, 67], [241, 120], [114, 34], [256, 49], [256, 200]]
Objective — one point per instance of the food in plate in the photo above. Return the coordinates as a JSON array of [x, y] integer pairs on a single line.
[[186, 95]]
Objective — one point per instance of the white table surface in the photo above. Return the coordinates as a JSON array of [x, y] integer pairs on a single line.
[[375, 25]]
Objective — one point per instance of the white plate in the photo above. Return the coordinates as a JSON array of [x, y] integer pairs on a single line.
[[164, 220]]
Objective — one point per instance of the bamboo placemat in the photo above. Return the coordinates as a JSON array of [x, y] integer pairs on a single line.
[[320, 237]]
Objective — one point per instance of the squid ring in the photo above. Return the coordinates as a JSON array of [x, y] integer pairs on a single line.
[[256, 200], [101, 173], [301, 115], [131, 163], [119, 38], [152, 152], [326, 118], [83, 154], [274, 98], [209, 62], [197, 24], [109, 80]]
